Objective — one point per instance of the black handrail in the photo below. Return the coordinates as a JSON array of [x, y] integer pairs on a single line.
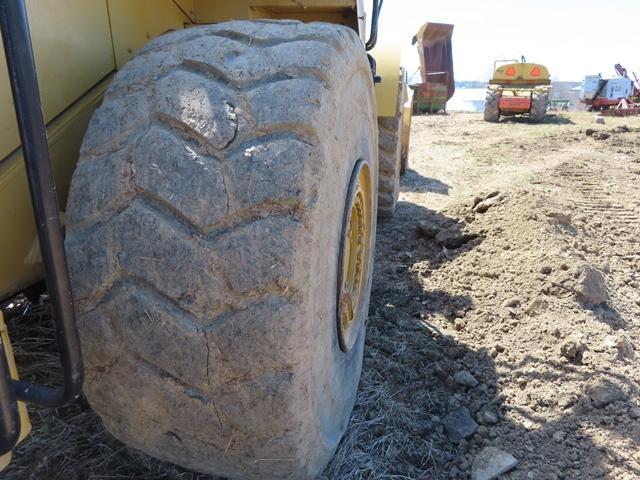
[[26, 96], [375, 20]]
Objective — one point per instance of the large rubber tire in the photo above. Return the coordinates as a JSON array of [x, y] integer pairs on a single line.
[[492, 106], [203, 237], [406, 132], [539, 106], [390, 152]]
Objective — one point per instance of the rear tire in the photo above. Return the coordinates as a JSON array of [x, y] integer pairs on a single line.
[[492, 106], [539, 106], [406, 132], [204, 235], [389, 129], [390, 152]]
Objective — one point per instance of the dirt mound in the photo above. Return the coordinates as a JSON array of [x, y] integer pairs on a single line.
[[510, 324]]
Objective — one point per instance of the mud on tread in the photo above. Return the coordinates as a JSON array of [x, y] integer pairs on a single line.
[[197, 350]]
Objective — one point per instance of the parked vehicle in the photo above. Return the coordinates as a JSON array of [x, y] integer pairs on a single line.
[[518, 88]]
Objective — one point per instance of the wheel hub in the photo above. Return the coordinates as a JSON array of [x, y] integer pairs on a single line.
[[355, 249]]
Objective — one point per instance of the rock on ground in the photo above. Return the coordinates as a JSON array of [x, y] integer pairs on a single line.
[[537, 307], [592, 288], [572, 349], [561, 217], [490, 463], [482, 205], [604, 394], [459, 425], [454, 237], [487, 417], [427, 229], [464, 377]]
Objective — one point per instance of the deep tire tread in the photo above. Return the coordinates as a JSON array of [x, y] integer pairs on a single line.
[[211, 282], [390, 152], [492, 106], [539, 104]]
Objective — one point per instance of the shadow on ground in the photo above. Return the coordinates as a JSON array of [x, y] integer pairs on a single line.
[[414, 182], [399, 426], [608, 315], [551, 119], [409, 387]]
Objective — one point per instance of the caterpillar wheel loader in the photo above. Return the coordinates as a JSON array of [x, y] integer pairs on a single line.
[[518, 88], [216, 167]]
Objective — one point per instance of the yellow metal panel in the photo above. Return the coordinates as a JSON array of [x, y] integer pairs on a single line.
[[18, 235], [73, 52], [387, 55], [347, 17], [188, 7], [521, 74], [406, 118], [25, 424], [134, 23], [213, 11]]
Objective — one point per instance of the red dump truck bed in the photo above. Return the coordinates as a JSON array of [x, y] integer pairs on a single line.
[[436, 68]]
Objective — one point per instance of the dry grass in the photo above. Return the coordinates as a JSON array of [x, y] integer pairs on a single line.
[[69, 442], [390, 435], [382, 440]]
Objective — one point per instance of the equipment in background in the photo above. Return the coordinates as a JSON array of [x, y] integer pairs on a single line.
[[559, 105], [617, 96], [518, 88], [436, 68], [622, 72]]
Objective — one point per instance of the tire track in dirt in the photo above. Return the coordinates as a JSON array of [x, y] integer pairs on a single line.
[[592, 197], [597, 190], [605, 198]]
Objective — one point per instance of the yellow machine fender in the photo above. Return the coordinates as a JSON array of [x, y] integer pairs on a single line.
[[388, 53]]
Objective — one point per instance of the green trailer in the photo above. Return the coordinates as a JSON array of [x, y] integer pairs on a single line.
[[431, 96]]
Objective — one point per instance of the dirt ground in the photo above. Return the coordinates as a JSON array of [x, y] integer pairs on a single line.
[[505, 314]]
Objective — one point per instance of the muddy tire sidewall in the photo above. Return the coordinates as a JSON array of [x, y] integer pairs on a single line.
[[203, 239]]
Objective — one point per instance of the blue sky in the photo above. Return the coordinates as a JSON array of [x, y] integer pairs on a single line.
[[573, 38]]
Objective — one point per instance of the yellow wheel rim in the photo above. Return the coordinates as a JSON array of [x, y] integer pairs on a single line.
[[355, 255]]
